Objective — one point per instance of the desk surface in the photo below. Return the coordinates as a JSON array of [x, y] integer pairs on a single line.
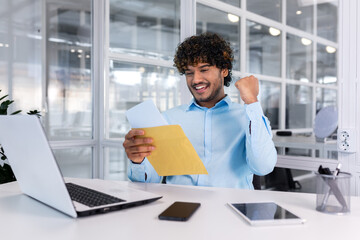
[[22, 217]]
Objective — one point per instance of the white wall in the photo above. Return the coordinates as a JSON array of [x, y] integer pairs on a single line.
[[349, 94]]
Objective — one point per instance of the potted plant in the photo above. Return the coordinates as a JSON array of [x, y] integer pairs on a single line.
[[6, 173]]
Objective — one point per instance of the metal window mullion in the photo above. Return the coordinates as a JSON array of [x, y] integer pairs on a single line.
[[72, 144], [223, 6], [104, 90], [187, 18], [98, 65], [44, 107], [95, 82], [264, 77], [139, 60], [11, 48], [282, 117], [314, 63], [297, 82], [243, 37], [112, 142]]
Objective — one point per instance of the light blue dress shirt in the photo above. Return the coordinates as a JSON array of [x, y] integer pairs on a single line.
[[233, 141]]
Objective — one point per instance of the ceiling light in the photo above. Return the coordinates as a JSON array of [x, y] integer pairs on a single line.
[[298, 12], [141, 69], [274, 31], [233, 18], [306, 41], [1, 44], [87, 56], [80, 51], [258, 27], [330, 49], [72, 50], [79, 56], [6, 45]]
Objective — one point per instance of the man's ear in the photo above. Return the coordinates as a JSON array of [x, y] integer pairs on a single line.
[[225, 72]]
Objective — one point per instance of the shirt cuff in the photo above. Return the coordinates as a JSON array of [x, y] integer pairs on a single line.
[[254, 111], [137, 171]]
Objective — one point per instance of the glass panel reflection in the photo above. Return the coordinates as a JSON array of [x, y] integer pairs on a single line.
[[298, 106], [75, 162], [232, 91], [299, 14], [269, 8], [68, 86], [327, 20], [115, 165], [131, 84], [325, 97], [263, 49], [269, 98], [326, 65], [145, 28], [299, 58], [20, 54], [227, 25], [236, 3]]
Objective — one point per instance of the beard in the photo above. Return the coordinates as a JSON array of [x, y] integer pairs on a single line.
[[203, 99], [214, 94]]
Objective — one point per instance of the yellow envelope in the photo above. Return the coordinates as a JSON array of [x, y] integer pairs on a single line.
[[174, 153]]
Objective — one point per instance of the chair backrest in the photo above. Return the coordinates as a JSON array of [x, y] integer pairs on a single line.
[[256, 182]]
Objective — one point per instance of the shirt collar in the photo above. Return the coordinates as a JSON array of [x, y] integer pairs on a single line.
[[225, 102]]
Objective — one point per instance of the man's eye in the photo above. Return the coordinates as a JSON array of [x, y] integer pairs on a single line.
[[204, 70], [188, 73]]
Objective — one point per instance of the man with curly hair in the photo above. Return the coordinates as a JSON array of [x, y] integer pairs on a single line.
[[233, 141]]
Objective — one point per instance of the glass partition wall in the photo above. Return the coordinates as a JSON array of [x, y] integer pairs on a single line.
[[46, 63]]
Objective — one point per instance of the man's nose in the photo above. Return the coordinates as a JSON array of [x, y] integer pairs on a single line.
[[197, 77]]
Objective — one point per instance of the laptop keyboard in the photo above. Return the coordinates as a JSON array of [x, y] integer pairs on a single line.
[[90, 197]]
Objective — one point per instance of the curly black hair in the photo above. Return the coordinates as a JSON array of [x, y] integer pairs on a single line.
[[205, 48]]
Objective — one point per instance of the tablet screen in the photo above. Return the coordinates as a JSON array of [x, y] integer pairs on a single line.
[[265, 213]]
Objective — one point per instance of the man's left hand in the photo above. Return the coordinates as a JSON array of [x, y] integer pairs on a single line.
[[248, 88]]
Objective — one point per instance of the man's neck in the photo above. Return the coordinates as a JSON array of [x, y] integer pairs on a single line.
[[210, 104]]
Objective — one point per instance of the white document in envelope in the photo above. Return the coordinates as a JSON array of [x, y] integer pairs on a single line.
[[145, 115]]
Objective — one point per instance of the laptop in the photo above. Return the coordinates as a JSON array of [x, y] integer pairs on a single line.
[[38, 175]]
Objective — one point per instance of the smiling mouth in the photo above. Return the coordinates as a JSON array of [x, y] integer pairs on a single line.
[[200, 88]]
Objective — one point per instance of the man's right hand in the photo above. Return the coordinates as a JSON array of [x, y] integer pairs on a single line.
[[137, 148]]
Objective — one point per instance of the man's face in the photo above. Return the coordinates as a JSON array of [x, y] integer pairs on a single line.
[[206, 83]]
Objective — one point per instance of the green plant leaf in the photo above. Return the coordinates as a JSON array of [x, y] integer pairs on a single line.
[[5, 104], [16, 112], [3, 97], [34, 112]]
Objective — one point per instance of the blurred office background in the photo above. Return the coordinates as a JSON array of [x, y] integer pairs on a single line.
[[83, 63]]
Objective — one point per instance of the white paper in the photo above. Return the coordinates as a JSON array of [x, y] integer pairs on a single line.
[[145, 115]]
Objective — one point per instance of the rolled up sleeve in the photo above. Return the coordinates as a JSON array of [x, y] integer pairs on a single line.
[[261, 154]]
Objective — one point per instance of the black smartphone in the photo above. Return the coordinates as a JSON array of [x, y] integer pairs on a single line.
[[179, 211]]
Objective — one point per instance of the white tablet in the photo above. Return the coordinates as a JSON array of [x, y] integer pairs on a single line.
[[265, 213]]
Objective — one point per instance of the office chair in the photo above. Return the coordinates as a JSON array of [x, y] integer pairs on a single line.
[[256, 182]]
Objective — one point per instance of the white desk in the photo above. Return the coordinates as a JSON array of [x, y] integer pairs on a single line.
[[24, 218]]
